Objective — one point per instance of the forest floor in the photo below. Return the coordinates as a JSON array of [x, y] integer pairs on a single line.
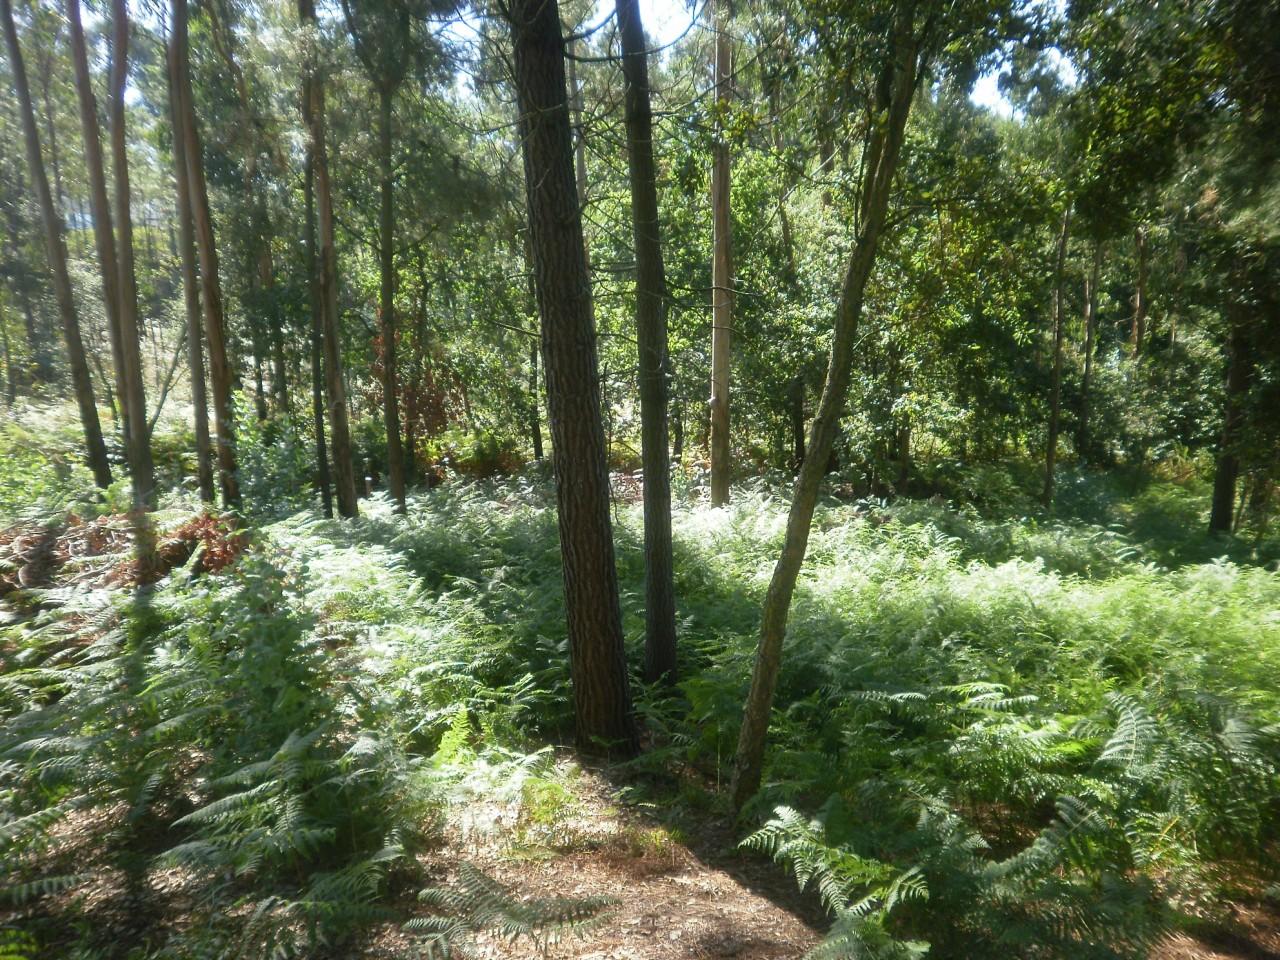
[[441, 625]]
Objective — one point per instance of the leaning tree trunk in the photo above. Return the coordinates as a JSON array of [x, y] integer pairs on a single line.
[[651, 337], [1055, 389], [56, 249], [1227, 468], [133, 399], [883, 148], [721, 269], [220, 373], [387, 294], [317, 364], [190, 288], [601, 694], [336, 392]]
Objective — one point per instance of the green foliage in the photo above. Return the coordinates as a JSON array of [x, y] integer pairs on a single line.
[[477, 903]]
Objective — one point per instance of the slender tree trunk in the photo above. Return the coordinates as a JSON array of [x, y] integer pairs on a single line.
[[56, 249], [1140, 304], [797, 422], [602, 697], [883, 148], [1227, 467], [387, 267], [10, 380], [103, 231], [535, 417], [133, 400], [220, 374], [651, 337], [344, 475], [317, 372], [275, 335], [721, 268], [1090, 330], [1055, 389], [190, 287]]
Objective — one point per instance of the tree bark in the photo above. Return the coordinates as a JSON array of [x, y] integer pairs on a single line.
[[1055, 388], [1227, 466], [133, 399], [1083, 440], [894, 97], [190, 284], [317, 372], [721, 267], [344, 475], [220, 374], [1140, 305], [56, 249], [651, 338], [602, 698], [387, 294], [103, 231], [797, 422]]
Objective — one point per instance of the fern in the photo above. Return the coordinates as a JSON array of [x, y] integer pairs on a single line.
[[479, 904]]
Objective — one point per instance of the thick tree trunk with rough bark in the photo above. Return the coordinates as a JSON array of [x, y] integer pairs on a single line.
[[1055, 388], [651, 337], [721, 269], [882, 151], [1227, 466], [133, 399], [220, 374], [387, 297], [56, 250], [601, 694], [190, 287], [344, 475]]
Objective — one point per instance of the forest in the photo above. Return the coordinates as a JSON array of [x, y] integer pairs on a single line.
[[628, 480]]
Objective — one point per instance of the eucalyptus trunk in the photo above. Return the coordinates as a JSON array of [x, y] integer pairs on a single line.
[[721, 267], [190, 287], [317, 365], [133, 398], [220, 373], [883, 148], [335, 389], [387, 297], [56, 250], [1055, 388]]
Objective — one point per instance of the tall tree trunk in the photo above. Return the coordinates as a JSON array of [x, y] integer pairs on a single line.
[[317, 372], [275, 333], [387, 296], [651, 338], [601, 693], [133, 399], [56, 249], [883, 148], [535, 418], [1055, 388], [721, 268], [1227, 467], [220, 374], [344, 474], [1083, 440], [1140, 304], [103, 231], [190, 286]]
